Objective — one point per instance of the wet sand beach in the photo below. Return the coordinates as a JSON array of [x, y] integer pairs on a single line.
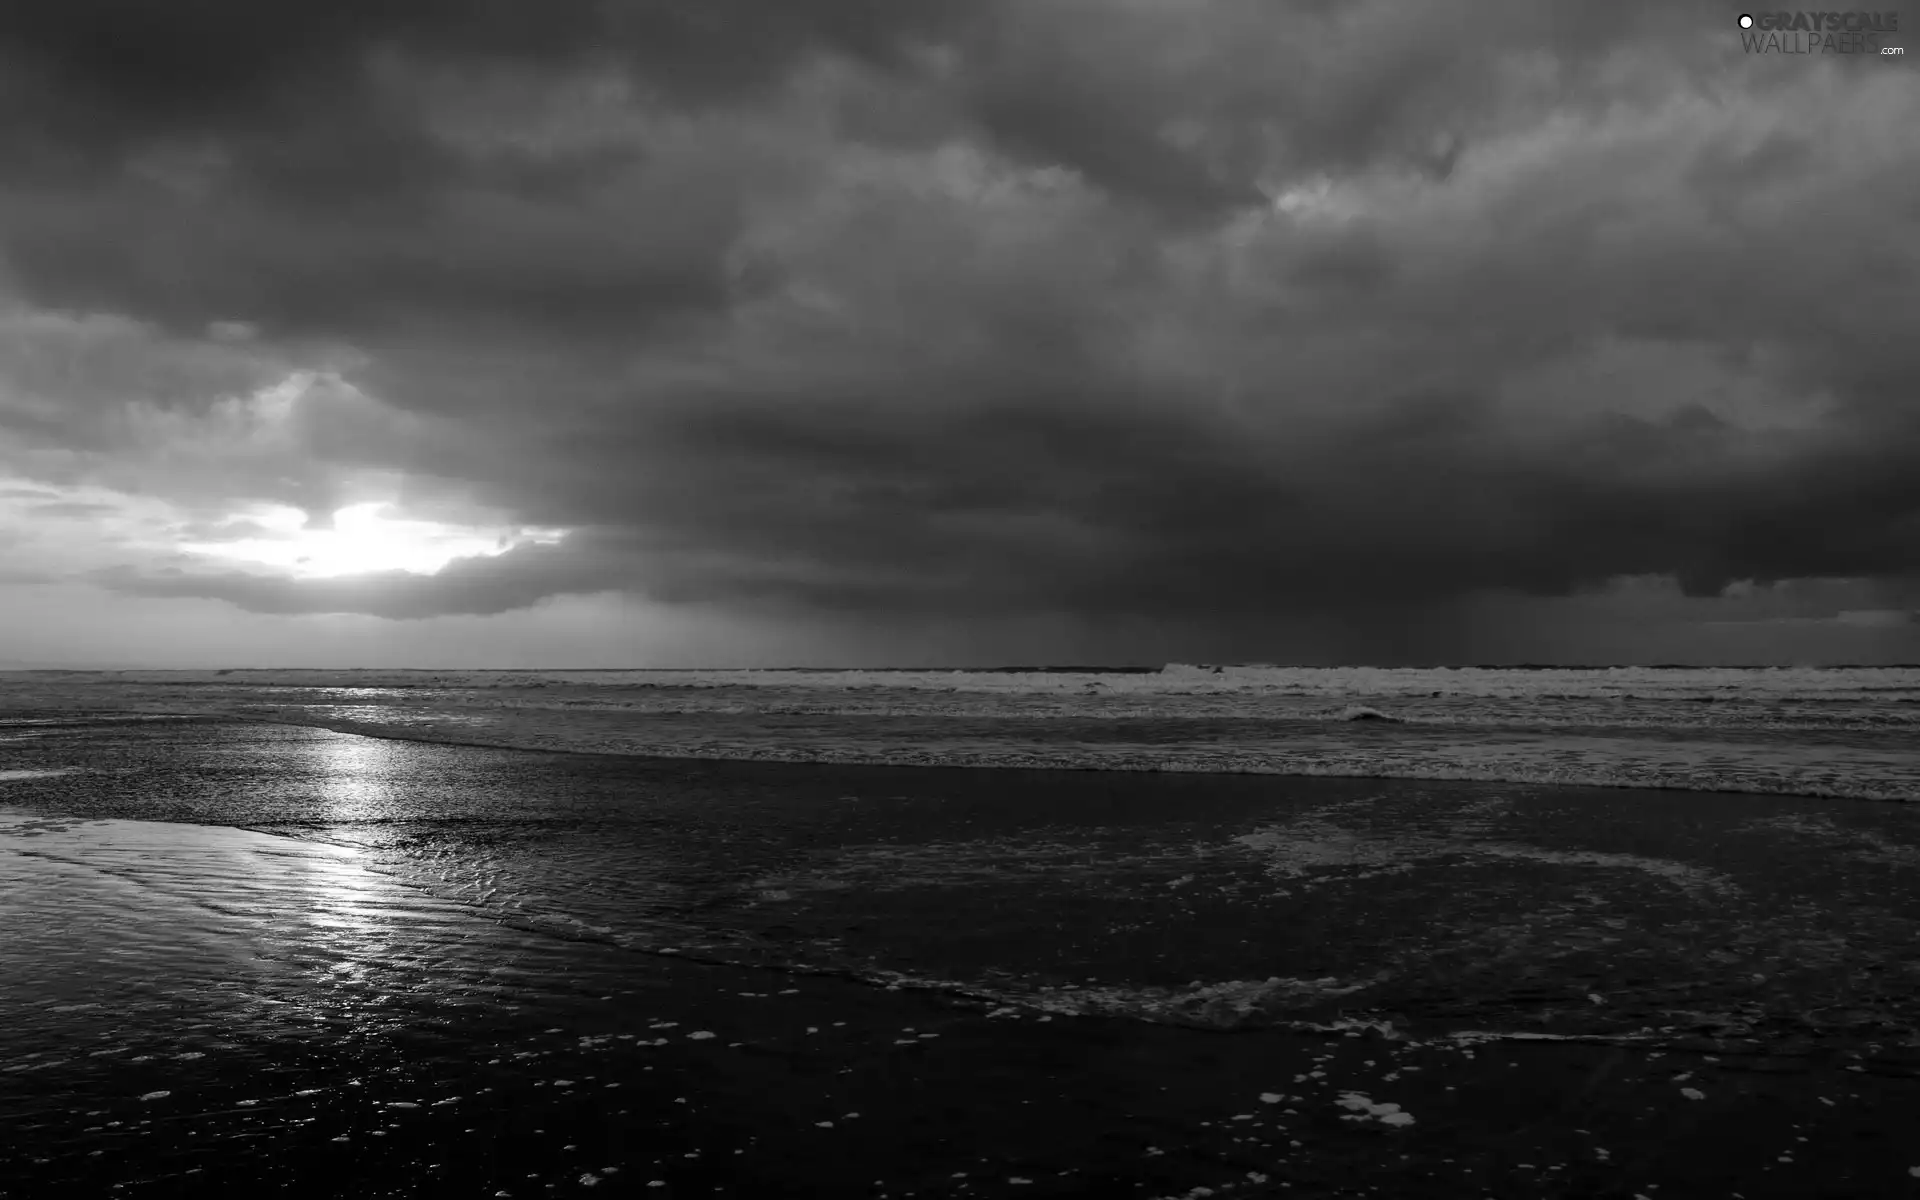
[[243, 957]]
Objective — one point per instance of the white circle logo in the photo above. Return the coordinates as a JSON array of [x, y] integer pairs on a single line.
[[1746, 22]]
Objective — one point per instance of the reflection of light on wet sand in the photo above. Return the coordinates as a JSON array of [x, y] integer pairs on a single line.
[[340, 898], [344, 906], [108, 915], [135, 923]]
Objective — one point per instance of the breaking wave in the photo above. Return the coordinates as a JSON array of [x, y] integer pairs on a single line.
[[1366, 712]]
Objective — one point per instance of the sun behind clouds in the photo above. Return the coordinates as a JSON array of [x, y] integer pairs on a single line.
[[363, 540]]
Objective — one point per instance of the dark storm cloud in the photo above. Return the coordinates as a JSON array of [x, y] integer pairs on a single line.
[[253, 158], [232, 64], [948, 308], [1027, 507]]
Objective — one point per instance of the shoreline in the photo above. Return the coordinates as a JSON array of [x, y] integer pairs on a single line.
[[543, 743]]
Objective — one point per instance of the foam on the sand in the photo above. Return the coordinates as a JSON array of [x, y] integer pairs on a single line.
[[1231, 1004], [1860, 845], [1223, 1005], [1308, 851], [1362, 1107]]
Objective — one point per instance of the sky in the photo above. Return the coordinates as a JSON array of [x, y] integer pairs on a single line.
[[470, 333]]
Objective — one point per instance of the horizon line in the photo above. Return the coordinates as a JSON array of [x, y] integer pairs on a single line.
[[1052, 668]]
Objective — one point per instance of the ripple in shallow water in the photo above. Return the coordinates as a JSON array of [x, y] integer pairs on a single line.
[[114, 927]]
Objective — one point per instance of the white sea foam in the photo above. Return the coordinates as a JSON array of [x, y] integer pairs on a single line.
[[1304, 853], [1362, 1107]]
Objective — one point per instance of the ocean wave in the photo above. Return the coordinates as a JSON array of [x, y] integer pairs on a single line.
[[1837, 772], [1623, 698], [1842, 733], [1366, 712]]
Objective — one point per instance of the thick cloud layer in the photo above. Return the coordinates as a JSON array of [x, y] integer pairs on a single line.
[[1202, 312]]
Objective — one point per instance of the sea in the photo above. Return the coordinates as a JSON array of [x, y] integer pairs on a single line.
[[1137, 842], [210, 878], [1843, 732]]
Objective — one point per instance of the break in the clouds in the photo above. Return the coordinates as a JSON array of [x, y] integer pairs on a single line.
[[1223, 327]]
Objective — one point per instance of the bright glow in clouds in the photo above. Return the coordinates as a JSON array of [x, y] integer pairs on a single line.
[[363, 541], [1317, 197]]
